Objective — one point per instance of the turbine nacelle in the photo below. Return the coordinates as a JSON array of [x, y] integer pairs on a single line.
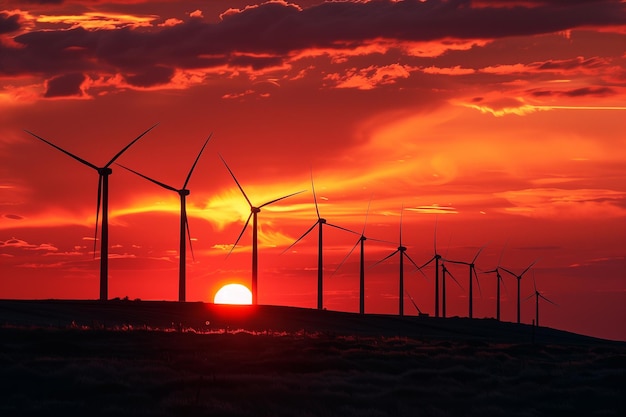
[[255, 210], [105, 171], [184, 192]]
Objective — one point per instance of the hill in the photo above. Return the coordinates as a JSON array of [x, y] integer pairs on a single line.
[[153, 359]]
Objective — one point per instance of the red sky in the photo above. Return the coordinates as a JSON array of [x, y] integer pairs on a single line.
[[503, 125]]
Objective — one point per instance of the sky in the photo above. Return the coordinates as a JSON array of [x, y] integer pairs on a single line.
[[475, 124]]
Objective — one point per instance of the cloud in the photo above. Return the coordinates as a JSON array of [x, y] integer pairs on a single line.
[[9, 23], [65, 85], [273, 33], [14, 243]]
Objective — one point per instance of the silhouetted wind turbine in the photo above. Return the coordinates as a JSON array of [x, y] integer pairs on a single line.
[[402, 253], [472, 274], [103, 201], [537, 296], [361, 242], [445, 271], [436, 257], [519, 279], [254, 210], [184, 224], [496, 270], [320, 222]]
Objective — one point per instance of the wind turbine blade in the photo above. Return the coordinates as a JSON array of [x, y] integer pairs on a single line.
[[435, 234], [502, 253], [128, 146], [480, 292], [529, 297], [386, 257], [411, 260], [79, 159], [367, 212], [427, 263], [281, 198], [346, 257], [301, 237], [507, 271], [240, 234], [529, 266], [237, 182], [534, 282], [413, 302], [550, 301], [189, 235], [457, 262], [317, 210], [196, 161], [506, 291], [341, 228], [401, 213], [478, 253], [159, 183], [454, 279], [98, 204]]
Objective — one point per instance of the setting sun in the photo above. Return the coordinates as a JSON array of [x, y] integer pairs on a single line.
[[233, 294]]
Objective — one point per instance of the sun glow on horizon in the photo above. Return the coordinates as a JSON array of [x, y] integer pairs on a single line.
[[233, 294]]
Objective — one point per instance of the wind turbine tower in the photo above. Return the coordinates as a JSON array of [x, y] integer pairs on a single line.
[[519, 279]]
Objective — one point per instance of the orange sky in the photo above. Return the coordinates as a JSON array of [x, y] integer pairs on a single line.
[[503, 125]]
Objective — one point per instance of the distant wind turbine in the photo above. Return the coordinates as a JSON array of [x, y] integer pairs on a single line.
[[496, 271], [103, 201], [361, 242], [254, 211], [519, 279], [436, 257], [537, 296], [184, 224], [472, 274], [402, 254], [444, 272], [320, 222]]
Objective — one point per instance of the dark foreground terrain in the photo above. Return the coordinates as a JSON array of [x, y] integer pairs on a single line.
[[131, 358]]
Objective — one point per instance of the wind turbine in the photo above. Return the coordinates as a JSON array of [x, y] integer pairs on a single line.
[[436, 257], [184, 224], [402, 253], [472, 274], [103, 201], [537, 296], [361, 242], [254, 211], [496, 270], [445, 271], [320, 222], [519, 279]]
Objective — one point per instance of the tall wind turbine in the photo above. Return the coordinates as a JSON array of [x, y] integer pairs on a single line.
[[361, 242], [254, 211], [184, 224], [519, 279], [436, 257], [537, 296], [402, 254], [320, 222], [102, 202], [496, 271], [472, 274]]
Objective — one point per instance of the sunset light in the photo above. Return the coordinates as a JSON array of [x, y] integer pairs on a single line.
[[439, 127]]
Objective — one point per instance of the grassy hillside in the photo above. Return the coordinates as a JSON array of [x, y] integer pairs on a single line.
[[77, 358]]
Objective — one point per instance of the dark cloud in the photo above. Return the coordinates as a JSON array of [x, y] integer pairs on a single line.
[[151, 76], [569, 64], [65, 85], [13, 217], [9, 23], [277, 30], [579, 92]]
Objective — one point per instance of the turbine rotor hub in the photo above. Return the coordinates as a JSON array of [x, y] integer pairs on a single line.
[[255, 209]]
